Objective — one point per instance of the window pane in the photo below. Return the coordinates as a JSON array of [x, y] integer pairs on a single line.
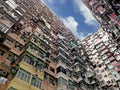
[[23, 75], [36, 81]]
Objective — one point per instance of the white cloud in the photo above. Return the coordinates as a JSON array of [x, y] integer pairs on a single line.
[[89, 19], [50, 1], [82, 36], [71, 24]]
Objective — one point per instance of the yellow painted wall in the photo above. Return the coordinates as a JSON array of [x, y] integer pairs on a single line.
[[21, 85], [31, 69]]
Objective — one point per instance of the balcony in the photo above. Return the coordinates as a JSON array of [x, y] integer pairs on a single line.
[[107, 61], [110, 67], [18, 27], [17, 38], [30, 69], [62, 83], [44, 40], [77, 68], [90, 74], [62, 87], [43, 28], [63, 53], [49, 82], [61, 56], [61, 63], [111, 58], [116, 64], [49, 72], [102, 83], [40, 45], [7, 20], [77, 79], [60, 74], [14, 13], [8, 43], [37, 54], [80, 59], [3, 28]]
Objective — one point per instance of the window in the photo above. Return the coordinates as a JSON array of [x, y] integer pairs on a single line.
[[3, 29], [43, 46], [12, 57], [68, 72], [1, 52], [52, 81], [8, 41], [29, 60], [7, 21], [36, 81], [23, 75], [14, 15], [37, 34], [61, 81], [42, 54], [61, 69], [23, 38], [18, 46], [52, 69], [39, 66], [35, 40]]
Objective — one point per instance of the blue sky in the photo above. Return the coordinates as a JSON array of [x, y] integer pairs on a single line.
[[75, 15]]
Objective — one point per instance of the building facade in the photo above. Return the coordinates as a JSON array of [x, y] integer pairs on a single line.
[[37, 52], [107, 12], [101, 50]]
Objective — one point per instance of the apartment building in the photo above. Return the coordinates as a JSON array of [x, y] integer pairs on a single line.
[[12, 44], [107, 12], [37, 52], [101, 50]]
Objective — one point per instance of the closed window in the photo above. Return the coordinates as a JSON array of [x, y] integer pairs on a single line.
[[39, 66], [61, 81], [36, 81], [23, 75], [12, 57], [18, 46], [8, 41], [29, 60]]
